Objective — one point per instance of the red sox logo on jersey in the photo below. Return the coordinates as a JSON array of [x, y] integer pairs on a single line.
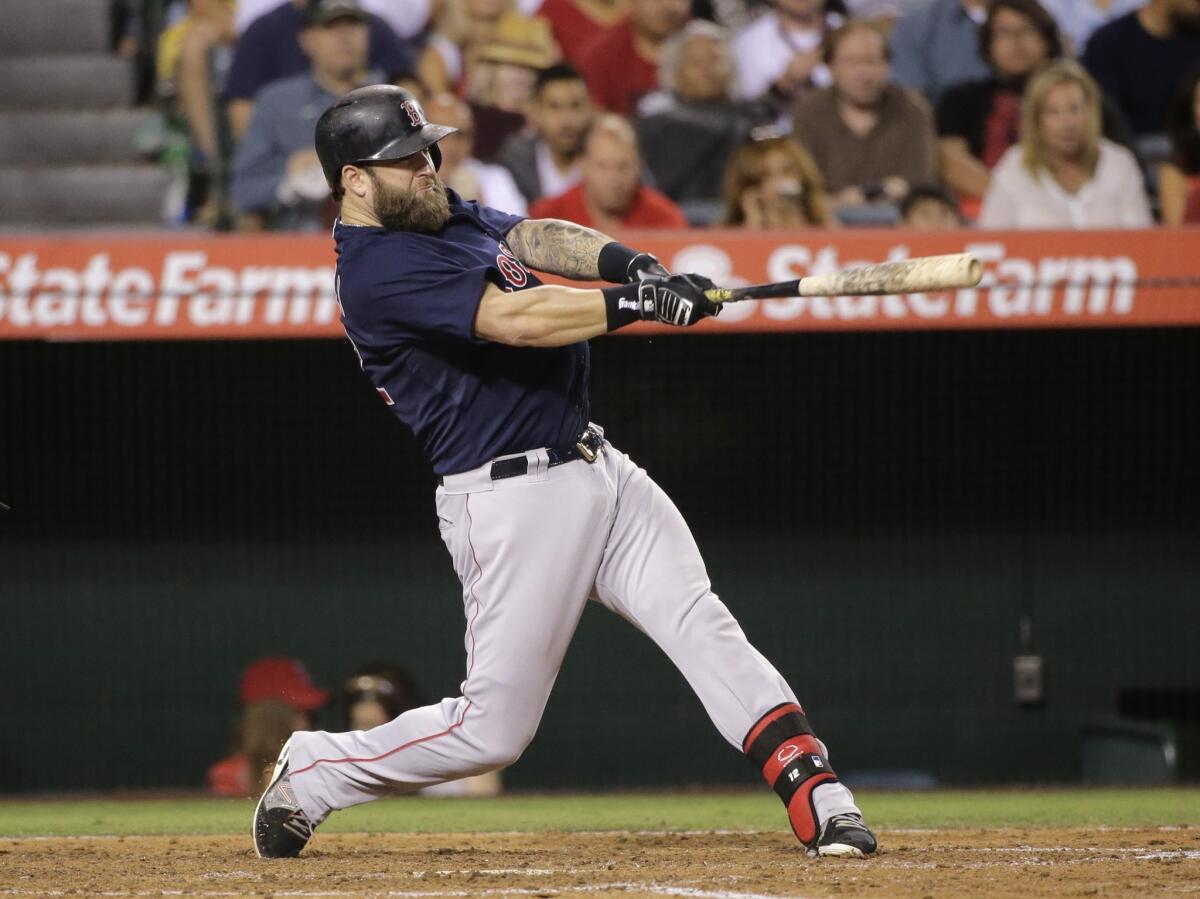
[[510, 266], [416, 115]]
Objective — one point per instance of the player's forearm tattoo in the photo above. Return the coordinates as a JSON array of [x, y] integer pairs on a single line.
[[558, 247]]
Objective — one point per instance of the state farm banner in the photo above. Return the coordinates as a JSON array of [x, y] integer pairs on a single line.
[[122, 287]]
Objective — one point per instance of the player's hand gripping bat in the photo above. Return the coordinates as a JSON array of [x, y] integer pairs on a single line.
[[918, 275]]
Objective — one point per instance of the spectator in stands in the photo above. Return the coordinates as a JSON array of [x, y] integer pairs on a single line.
[[1179, 177], [270, 49], [621, 64], [277, 698], [1063, 174], [500, 80], [464, 29], [689, 130], [773, 184], [544, 160], [277, 178], [184, 50], [779, 54], [1079, 19], [870, 138], [611, 195], [937, 45], [491, 185], [575, 23], [979, 120], [407, 18], [929, 207], [379, 693], [1143, 57]]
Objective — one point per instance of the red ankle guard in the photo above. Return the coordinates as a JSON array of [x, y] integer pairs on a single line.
[[783, 747]]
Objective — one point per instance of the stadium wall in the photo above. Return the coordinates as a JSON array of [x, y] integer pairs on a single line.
[[880, 509]]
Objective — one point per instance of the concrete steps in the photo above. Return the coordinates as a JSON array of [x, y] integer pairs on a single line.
[[71, 137], [68, 154], [65, 81], [57, 26], [68, 196]]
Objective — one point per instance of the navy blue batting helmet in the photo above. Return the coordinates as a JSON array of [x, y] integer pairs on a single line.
[[374, 124]]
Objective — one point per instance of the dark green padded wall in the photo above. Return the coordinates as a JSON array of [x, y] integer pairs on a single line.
[[879, 511]]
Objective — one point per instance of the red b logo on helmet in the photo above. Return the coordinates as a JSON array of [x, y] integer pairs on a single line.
[[415, 114]]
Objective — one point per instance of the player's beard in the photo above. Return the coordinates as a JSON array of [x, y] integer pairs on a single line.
[[398, 209]]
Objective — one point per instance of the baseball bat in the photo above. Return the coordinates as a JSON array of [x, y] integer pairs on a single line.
[[917, 275]]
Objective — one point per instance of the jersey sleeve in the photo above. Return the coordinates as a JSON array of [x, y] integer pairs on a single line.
[[437, 296], [496, 219]]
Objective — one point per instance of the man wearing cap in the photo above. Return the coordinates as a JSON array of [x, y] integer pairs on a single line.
[[270, 50], [277, 697], [277, 178]]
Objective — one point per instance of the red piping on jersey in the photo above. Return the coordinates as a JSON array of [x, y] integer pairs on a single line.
[[470, 667]]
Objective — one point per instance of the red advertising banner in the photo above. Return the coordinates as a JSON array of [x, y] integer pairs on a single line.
[[121, 287]]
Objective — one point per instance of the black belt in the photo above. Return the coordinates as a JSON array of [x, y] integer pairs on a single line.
[[587, 447]]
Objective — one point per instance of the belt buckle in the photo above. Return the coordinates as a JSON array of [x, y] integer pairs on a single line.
[[588, 445]]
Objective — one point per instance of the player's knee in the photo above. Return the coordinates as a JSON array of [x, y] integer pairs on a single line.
[[501, 750], [500, 755]]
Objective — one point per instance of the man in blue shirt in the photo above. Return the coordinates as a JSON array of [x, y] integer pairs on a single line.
[[489, 368], [277, 177], [937, 46], [1141, 59], [270, 49]]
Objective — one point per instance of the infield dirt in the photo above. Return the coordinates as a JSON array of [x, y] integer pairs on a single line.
[[1026, 862]]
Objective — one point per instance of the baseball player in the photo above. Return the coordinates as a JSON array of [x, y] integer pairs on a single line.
[[489, 369]]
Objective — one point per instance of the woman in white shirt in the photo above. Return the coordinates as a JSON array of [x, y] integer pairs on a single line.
[[1063, 174]]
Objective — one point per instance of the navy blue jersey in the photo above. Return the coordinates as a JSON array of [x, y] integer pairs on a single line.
[[408, 305]]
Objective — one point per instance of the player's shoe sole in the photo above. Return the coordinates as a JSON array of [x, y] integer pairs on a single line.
[[280, 828], [845, 836]]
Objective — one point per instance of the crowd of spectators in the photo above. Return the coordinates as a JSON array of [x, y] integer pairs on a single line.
[[744, 113]]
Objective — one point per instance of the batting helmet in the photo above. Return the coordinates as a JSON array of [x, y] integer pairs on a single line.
[[373, 124]]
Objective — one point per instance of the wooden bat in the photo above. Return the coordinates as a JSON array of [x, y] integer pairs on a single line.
[[918, 275]]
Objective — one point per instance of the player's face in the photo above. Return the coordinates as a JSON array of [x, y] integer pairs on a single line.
[[1064, 120], [705, 69], [1017, 47], [448, 110], [860, 68], [610, 173], [407, 194], [562, 113]]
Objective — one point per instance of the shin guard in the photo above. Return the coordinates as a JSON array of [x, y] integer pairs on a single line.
[[782, 745]]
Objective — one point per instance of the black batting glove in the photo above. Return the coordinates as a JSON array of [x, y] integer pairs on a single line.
[[644, 266], [619, 264], [677, 300]]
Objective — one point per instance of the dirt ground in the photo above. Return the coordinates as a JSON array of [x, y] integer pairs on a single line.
[[1030, 862]]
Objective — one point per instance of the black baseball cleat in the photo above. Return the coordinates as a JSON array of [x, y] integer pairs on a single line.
[[845, 836], [281, 829]]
